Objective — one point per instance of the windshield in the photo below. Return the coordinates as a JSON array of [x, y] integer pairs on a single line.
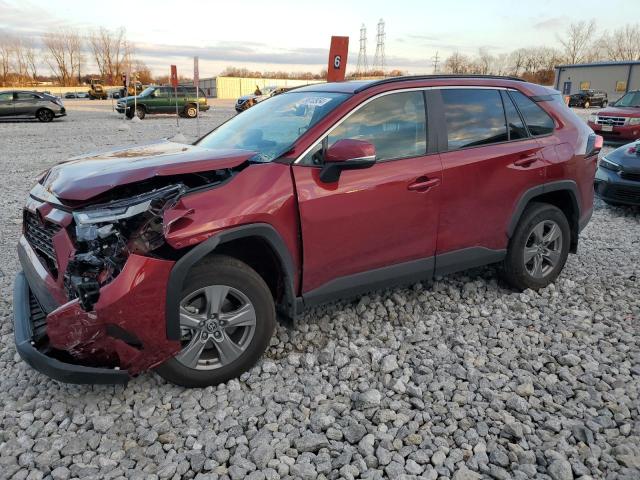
[[631, 99], [271, 127], [147, 91]]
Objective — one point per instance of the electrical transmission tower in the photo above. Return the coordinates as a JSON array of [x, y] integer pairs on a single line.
[[378, 59], [435, 61], [362, 67]]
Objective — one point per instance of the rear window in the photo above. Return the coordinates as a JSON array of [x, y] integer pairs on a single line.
[[515, 126], [538, 121], [473, 117]]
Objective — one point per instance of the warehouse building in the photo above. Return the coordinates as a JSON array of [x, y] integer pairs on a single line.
[[615, 78]]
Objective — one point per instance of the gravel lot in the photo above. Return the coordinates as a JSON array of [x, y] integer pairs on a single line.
[[461, 378]]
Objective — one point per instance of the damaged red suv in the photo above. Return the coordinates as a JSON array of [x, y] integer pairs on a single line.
[[179, 257]]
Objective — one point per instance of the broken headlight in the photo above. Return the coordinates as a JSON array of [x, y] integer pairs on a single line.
[[107, 234]]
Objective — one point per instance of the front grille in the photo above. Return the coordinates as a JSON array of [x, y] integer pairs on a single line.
[[38, 319], [614, 121], [634, 177], [40, 237], [624, 194]]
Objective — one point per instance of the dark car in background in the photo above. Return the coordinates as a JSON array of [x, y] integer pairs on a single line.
[[248, 101], [617, 179], [19, 103], [163, 100], [589, 98], [621, 121]]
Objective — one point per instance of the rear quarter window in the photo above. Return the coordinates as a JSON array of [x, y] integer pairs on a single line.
[[538, 121]]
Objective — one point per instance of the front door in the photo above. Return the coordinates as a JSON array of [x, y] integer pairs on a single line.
[[160, 100], [6, 104], [383, 216]]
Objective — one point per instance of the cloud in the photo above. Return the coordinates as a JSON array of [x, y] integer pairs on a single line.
[[551, 23]]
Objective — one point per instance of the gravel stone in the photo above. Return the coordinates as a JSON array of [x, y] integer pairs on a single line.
[[459, 377]]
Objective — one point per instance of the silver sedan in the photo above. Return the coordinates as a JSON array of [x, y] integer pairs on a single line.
[[19, 103]]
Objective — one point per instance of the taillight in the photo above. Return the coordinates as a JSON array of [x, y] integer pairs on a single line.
[[594, 144]]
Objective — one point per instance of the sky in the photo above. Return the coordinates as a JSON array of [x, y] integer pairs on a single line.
[[294, 35]]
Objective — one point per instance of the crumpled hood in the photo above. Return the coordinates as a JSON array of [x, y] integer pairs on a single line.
[[620, 112], [84, 177]]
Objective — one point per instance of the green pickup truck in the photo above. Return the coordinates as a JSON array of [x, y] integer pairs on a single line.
[[163, 100]]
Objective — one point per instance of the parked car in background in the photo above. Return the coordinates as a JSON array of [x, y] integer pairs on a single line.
[[19, 103], [82, 95], [248, 101], [163, 100], [589, 98], [70, 95], [177, 257], [620, 122], [114, 94], [617, 180]]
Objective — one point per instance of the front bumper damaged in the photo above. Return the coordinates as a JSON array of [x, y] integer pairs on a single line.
[[122, 335]]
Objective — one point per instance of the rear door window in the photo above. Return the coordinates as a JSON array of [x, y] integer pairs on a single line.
[[515, 126], [538, 121], [394, 123], [474, 117], [27, 96]]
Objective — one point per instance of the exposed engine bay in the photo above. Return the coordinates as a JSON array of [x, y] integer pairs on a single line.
[[106, 233]]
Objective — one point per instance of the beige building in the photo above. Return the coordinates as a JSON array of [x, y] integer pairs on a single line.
[[614, 78]]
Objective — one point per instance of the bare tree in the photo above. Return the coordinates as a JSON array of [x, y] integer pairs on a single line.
[[64, 55], [485, 61], [6, 56], [457, 63], [577, 41], [31, 57], [110, 51], [623, 43]]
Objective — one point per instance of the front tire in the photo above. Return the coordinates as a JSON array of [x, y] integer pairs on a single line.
[[140, 112], [604, 104], [538, 249], [227, 318], [191, 111], [45, 115]]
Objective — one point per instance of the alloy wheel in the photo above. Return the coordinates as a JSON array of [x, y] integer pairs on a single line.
[[45, 115], [217, 324], [543, 249]]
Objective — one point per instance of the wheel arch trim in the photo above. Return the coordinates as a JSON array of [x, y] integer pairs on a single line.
[[558, 186], [181, 269]]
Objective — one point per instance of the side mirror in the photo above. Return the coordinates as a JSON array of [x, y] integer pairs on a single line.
[[346, 154]]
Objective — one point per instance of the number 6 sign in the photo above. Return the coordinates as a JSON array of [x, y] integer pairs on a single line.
[[337, 59]]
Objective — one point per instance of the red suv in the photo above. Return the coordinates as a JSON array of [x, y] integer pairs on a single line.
[[177, 257], [621, 121]]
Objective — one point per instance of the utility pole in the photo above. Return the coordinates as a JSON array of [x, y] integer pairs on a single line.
[[435, 62]]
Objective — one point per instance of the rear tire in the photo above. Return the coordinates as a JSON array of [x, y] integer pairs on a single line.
[[604, 104], [45, 115], [587, 104], [538, 249], [217, 291]]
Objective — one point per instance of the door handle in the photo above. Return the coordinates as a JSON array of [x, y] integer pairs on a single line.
[[422, 184], [526, 161]]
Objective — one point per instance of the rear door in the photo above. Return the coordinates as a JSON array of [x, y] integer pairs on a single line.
[[6, 104], [372, 218], [489, 160], [26, 103]]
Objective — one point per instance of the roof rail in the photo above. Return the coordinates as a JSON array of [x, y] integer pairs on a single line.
[[430, 77]]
